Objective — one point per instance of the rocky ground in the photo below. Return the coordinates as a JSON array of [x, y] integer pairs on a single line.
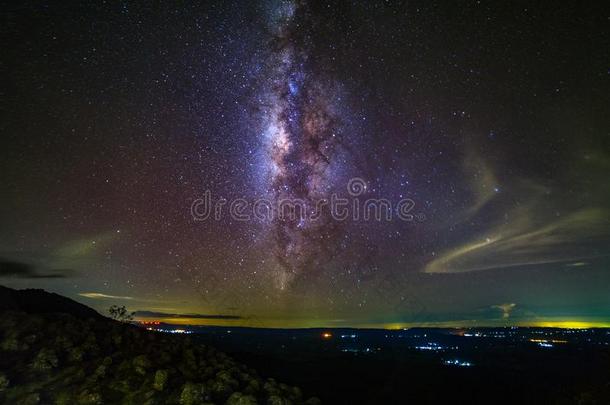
[[62, 359]]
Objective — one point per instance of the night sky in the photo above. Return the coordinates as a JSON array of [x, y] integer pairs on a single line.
[[492, 118]]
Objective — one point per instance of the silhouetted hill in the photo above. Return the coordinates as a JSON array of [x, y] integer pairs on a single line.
[[56, 351], [35, 301]]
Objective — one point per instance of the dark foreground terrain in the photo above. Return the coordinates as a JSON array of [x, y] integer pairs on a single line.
[[430, 366], [56, 351]]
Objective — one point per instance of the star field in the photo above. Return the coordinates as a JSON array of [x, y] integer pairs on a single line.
[[492, 118]]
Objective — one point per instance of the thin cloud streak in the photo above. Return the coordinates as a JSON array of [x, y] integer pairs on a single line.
[[95, 295]]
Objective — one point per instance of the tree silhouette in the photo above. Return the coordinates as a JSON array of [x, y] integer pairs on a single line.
[[120, 313]]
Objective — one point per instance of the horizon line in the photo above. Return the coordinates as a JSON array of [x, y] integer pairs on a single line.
[[393, 327]]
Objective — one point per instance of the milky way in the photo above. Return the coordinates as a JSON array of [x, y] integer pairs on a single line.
[[301, 135]]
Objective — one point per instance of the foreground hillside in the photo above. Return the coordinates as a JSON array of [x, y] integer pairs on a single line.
[[66, 358]]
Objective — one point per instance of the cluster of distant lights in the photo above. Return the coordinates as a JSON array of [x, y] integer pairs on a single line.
[[493, 334], [173, 331], [459, 363], [151, 325], [365, 350], [430, 346], [328, 335], [435, 347], [543, 344], [547, 342]]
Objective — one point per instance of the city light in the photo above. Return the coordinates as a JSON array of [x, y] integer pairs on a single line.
[[173, 331], [459, 363], [542, 344]]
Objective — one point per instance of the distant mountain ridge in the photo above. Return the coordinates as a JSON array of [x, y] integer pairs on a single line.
[[36, 301]]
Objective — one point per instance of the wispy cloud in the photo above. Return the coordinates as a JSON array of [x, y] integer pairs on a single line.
[[527, 240], [96, 295], [483, 184], [505, 308], [10, 268], [86, 246], [526, 226]]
